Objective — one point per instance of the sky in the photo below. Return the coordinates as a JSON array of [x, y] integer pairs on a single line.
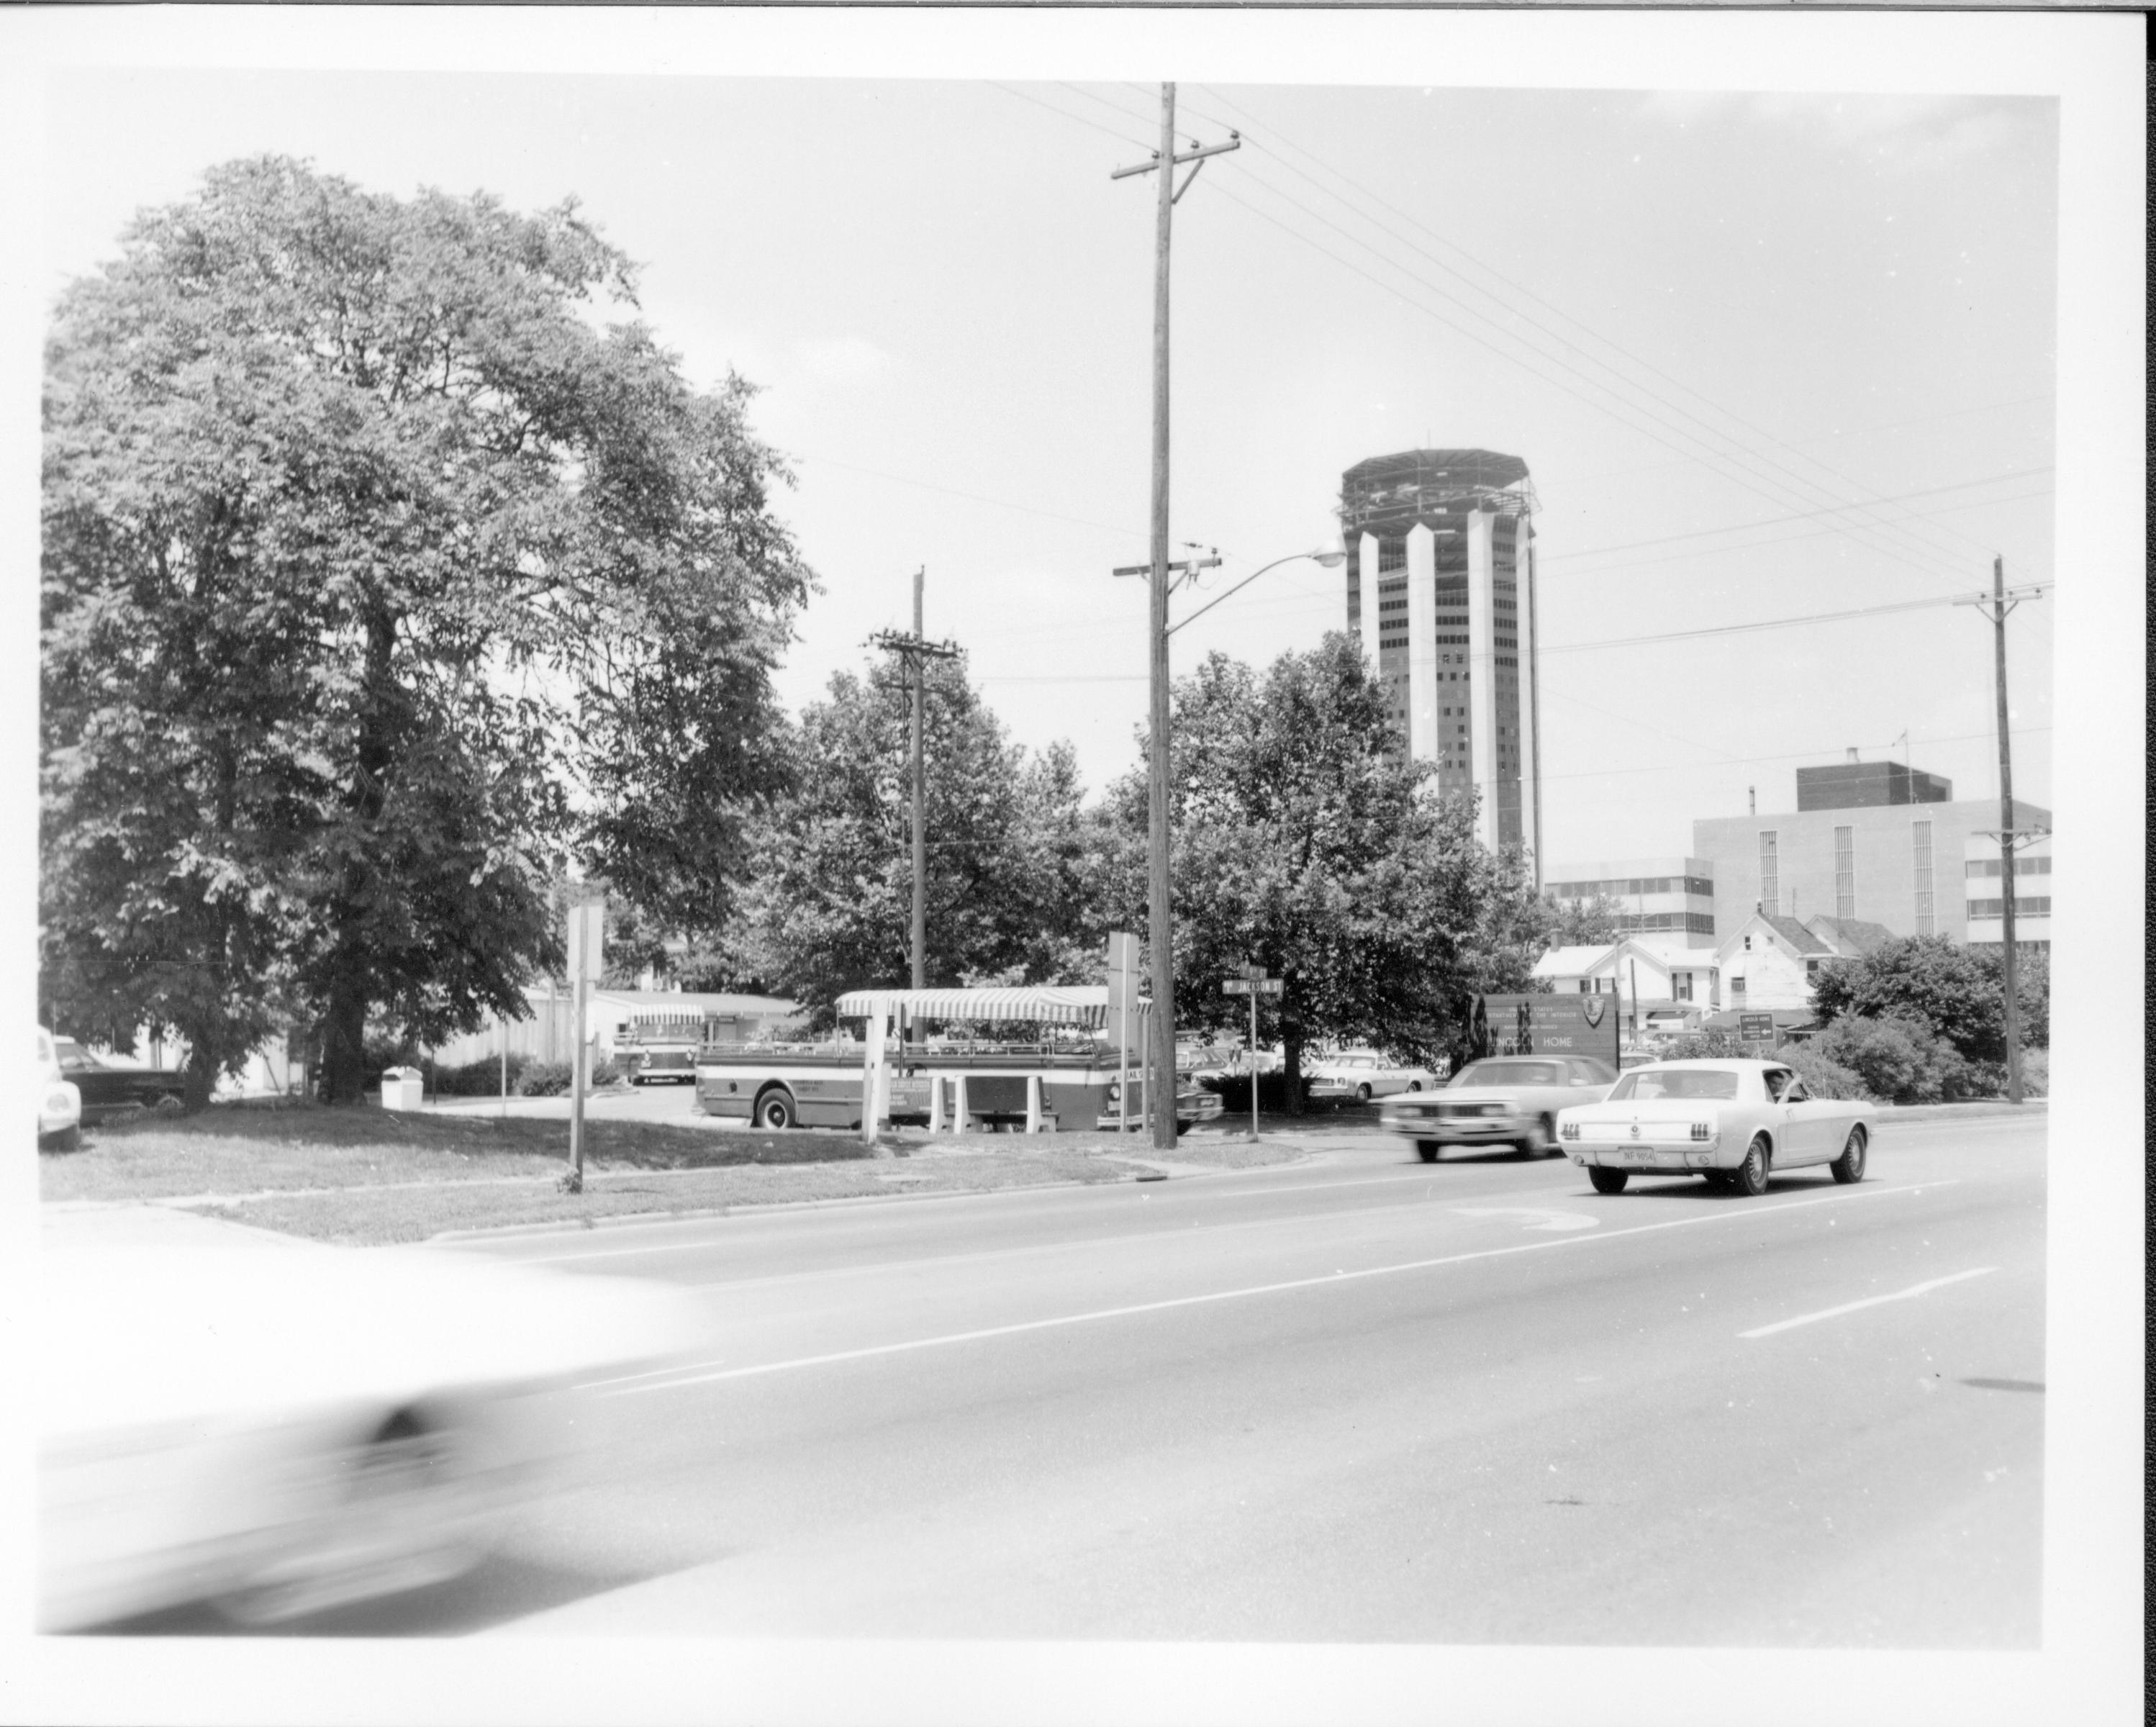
[[1766, 357]]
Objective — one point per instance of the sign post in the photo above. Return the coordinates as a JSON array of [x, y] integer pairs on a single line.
[[1122, 1009], [1252, 983], [587, 960]]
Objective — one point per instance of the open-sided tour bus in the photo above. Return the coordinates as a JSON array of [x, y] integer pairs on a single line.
[[954, 1058]]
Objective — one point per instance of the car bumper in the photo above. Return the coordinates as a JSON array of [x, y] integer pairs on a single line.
[[1456, 1130], [1670, 1159]]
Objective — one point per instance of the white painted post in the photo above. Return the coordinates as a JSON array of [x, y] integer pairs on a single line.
[[1032, 1103], [958, 1112], [872, 1087], [936, 1103]]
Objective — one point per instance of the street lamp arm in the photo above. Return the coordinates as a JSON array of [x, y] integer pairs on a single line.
[[1330, 560]]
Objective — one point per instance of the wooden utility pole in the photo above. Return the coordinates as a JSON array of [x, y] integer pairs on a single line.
[[1160, 935], [911, 650], [1995, 606]]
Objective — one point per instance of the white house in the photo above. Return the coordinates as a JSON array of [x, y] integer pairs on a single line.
[[1662, 969]]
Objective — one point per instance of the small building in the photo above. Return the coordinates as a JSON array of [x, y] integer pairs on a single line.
[[1770, 962]]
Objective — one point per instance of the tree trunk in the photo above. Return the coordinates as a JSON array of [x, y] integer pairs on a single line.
[[1291, 1049], [198, 1076], [344, 1028], [345, 1077]]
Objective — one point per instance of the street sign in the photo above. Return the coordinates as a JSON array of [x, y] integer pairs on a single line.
[[1756, 1027], [586, 942], [1251, 987], [1547, 1025]]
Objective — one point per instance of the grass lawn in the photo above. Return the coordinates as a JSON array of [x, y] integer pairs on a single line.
[[365, 1175]]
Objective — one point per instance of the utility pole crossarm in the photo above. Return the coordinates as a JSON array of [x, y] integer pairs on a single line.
[[1194, 154]]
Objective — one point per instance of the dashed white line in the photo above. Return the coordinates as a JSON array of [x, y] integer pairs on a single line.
[[1849, 1307], [1719, 1214]]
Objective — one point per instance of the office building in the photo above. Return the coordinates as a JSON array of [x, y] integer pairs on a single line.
[[1655, 896], [1917, 868], [1441, 593], [1851, 784]]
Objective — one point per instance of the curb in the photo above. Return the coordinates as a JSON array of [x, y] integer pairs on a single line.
[[1951, 1112]]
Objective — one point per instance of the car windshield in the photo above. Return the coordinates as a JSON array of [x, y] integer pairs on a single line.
[[1644, 1083], [1510, 1072], [72, 1055]]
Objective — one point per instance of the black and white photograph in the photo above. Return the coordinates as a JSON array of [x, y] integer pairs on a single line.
[[993, 865]]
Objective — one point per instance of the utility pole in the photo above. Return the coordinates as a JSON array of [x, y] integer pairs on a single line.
[[1160, 1094], [1995, 606], [911, 650]]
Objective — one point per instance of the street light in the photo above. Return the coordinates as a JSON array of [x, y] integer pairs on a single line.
[[1324, 559]]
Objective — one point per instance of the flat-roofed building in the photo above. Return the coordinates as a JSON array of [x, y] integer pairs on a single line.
[[1903, 866], [1655, 896]]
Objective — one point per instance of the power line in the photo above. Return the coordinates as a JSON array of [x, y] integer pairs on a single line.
[[1517, 289], [1025, 96], [1543, 561], [1766, 623], [1632, 413]]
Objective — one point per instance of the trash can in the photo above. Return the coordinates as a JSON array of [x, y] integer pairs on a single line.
[[403, 1089]]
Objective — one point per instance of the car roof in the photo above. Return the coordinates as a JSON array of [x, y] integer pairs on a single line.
[[1728, 1064]]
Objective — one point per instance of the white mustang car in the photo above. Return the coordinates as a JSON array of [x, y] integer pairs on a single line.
[[1734, 1122], [1363, 1074]]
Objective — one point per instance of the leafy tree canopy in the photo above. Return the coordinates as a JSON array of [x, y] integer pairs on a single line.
[[388, 562], [831, 908], [1304, 842], [1959, 992]]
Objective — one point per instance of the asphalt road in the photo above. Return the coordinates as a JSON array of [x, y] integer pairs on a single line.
[[1361, 1399]]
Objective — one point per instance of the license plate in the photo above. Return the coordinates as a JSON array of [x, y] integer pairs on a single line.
[[1637, 1154]]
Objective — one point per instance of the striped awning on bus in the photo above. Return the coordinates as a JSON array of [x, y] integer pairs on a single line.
[[1079, 1004]]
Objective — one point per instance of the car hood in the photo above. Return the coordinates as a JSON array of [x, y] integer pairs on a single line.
[[1473, 1095]]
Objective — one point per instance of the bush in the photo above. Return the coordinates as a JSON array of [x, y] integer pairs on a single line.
[[1896, 1058], [2036, 1073], [478, 1079], [543, 1078], [1824, 1076]]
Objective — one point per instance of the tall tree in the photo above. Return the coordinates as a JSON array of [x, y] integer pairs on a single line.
[[831, 907], [1306, 842], [381, 574]]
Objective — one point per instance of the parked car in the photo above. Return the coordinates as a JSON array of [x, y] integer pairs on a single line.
[[59, 1103], [1734, 1122], [271, 1429], [1363, 1074], [1504, 1100], [111, 1087]]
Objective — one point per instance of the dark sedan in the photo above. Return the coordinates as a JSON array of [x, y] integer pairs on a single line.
[[110, 1088]]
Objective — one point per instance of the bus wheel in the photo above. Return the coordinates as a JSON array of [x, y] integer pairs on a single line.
[[774, 1109]]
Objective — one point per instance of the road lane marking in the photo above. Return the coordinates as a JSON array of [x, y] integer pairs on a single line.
[[1848, 1307], [1551, 1221], [1719, 1214]]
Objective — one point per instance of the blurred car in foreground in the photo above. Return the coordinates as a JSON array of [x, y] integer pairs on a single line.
[[1363, 1074], [273, 1430], [112, 1087], [59, 1105], [1504, 1100], [1734, 1122]]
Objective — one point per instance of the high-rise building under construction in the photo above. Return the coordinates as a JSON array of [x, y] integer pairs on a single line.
[[1441, 591]]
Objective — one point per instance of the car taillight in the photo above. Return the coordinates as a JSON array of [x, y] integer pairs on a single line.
[[1567, 1129], [1700, 1130]]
